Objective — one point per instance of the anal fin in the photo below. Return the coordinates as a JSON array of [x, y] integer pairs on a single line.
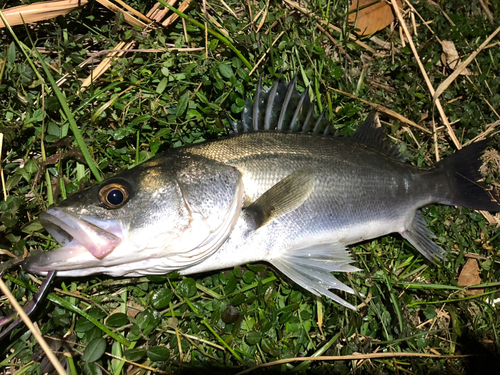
[[421, 238], [311, 268]]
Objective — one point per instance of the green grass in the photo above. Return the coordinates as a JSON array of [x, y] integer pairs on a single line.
[[235, 319]]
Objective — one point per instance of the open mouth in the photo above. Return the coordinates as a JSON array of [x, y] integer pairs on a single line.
[[79, 236]]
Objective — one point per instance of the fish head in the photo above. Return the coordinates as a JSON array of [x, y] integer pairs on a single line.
[[166, 214]]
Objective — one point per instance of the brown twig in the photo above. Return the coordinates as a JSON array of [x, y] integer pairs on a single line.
[[151, 369], [2, 178], [264, 16], [39, 11], [106, 63], [129, 18], [387, 111], [352, 357], [461, 67], [174, 16], [229, 9], [265, 54], [334, 41], [39, 338], [205, 14], [426, 77], [330, 26], [487, 11]]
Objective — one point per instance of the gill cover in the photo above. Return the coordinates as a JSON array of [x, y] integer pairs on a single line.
[[168, 213]]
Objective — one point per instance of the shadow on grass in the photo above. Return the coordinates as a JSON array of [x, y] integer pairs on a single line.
[[483, 360]]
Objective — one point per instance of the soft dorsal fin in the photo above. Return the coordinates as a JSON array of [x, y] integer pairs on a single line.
[[284, 197], [370, 133], [281, 108]]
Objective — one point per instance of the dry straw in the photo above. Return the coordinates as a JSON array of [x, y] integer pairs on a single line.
[[40, 11]]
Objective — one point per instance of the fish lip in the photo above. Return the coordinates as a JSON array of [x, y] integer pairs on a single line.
[[76, 234]]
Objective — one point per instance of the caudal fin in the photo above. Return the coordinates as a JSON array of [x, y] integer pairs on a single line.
[[462, 168]]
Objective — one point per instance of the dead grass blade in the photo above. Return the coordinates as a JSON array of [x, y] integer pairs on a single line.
[[461, 67], [133, 11], [118, 51], [305, 11], [353, 357], [39, 338], [129, 18], [1, 169], [229, 9], [385, 110], [157, 14], [487, 11], [42, 11], [426, 77], [265, 54], [171, 19]]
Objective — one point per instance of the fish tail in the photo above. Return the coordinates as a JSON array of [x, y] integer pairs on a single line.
[[462, 170], [457, 180]]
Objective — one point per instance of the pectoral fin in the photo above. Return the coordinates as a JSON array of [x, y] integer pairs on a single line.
[[284, 197]]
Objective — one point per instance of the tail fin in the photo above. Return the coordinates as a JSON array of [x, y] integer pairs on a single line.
[[462, 168]]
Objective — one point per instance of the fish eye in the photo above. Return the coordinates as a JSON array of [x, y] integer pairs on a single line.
[[113, 195]]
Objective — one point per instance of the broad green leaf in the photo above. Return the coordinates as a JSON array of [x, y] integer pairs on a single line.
[[186, 287], [162, 85], [248, 277], [117, 320], [213, 44], [11, 55], [94, 350], [148, 320], [33, 226], [158, 353], [182, 104], [134, 355], [225, 70], [161, 298], [91, 369], [230, 314], [253, 338], [83, 325]]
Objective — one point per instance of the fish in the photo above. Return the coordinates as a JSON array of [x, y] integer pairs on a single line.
[[280, 189]]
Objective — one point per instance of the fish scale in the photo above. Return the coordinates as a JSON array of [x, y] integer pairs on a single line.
[[279, 190]]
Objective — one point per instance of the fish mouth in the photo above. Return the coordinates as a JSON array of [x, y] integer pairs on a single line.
[[79, 236]]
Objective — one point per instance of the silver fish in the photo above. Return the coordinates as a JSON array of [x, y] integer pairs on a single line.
[[279, 190]]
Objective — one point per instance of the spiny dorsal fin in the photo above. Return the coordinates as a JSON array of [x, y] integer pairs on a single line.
[[284, 197], [370, 133], [281, 108]]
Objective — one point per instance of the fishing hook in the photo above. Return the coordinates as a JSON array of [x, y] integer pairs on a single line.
[[31, 306]]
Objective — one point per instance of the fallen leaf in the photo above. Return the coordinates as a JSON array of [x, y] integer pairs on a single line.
[[470, 276], [132, 309], [450, 57], [371, 15]]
